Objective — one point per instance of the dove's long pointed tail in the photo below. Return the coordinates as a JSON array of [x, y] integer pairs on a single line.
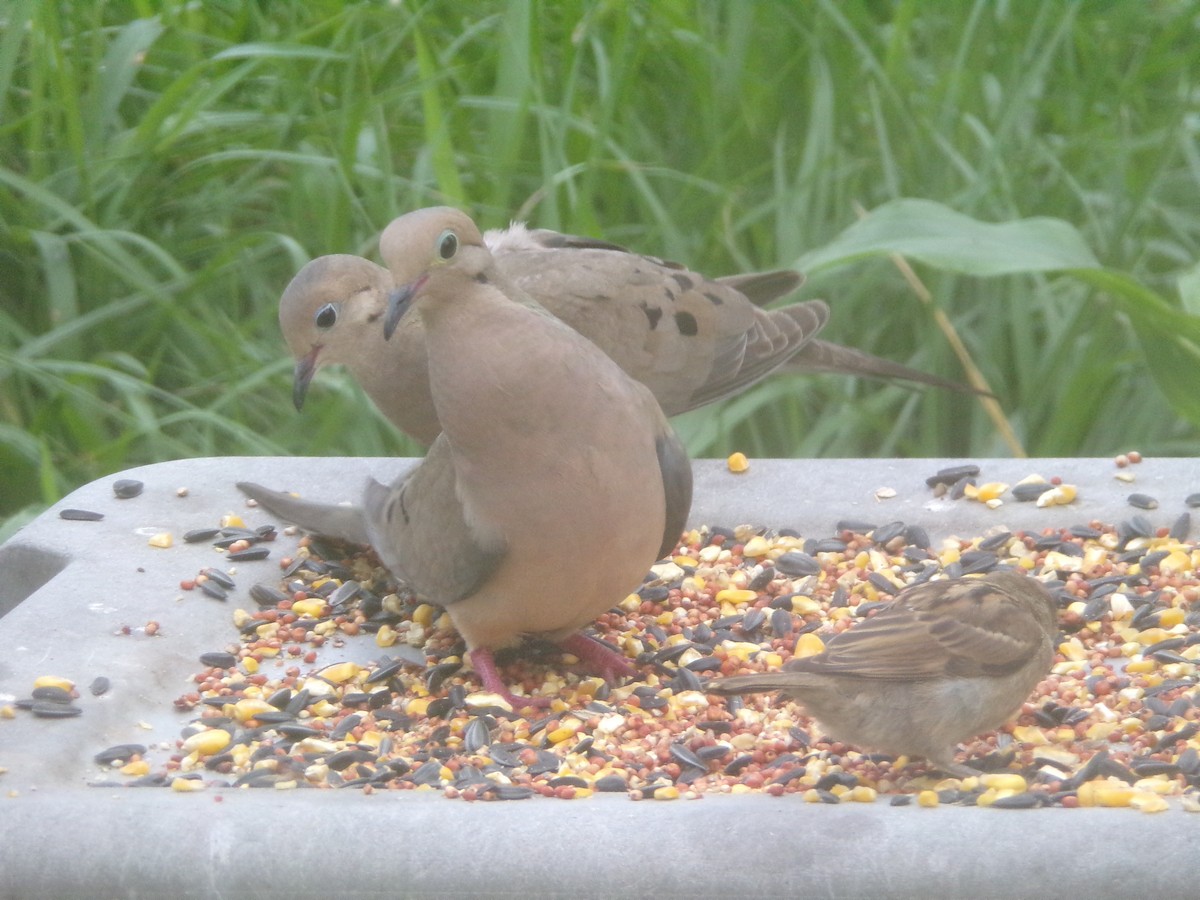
[[329, 519]]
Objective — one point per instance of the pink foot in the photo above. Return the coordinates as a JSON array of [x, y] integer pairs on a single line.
[[598, 658], [485, 667]]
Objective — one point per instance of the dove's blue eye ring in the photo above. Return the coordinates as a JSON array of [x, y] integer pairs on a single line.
[[326, 316], [447, 244]]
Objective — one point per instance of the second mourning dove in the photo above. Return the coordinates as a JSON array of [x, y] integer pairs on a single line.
[[690, 339], [556, 481], [943, 662]]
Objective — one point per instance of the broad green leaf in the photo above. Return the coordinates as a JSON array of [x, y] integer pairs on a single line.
[[937, 235]]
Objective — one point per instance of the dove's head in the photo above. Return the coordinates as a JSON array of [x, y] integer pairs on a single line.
[[425, 244], [327, 311]]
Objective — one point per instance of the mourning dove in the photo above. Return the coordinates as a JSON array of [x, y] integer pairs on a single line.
[[943, 662], [690, 339], [556, 481]]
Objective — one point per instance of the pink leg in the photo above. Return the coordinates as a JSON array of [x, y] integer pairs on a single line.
[[485, 667], [598, 657]]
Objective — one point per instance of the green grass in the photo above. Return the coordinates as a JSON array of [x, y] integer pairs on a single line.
[[166, 167]]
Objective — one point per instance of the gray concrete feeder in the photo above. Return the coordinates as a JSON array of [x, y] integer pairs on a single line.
[[68, 587]]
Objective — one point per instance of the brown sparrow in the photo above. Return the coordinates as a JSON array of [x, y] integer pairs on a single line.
[[943, 662]]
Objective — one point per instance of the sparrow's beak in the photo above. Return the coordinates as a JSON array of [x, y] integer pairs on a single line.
[[399, 301], [306, 367]]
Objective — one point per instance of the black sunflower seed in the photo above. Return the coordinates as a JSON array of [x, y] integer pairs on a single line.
[[299, 702], [345, 726], [258, 778], [46, 709], [917, 536], [671, 652], [834, 779], [469, 776], [477, 735], [753, 620], [1140, 526], [504, 755], [249, 554], [274, 717], [1189, 761], [507, 792], [781, 622], [885, 534], [762, 579], [827, 545], [686, 680], [684, 754], [219, 577], [882, 583], [738, 763], [298, 563], [958, 490], [995, 541], [127, 488], [1030, 490], [1024, 800], [266, 596], [1181, 527], [100, 685], [585, 745], [343, 759], [1186, 733], [299, 732], [796, 564], [654, 593], [385, 671], [1173, 643], [428, 773], [609, 784], [1142, 501], [854, 526], [1146, 768], [219, 659], [196, 535], [121, 753], [976, 561], [213, 590], [952, 474], [80, 515], [437, 675], [346, 592]]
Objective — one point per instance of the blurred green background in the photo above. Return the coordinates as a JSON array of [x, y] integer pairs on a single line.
[[165, 168]]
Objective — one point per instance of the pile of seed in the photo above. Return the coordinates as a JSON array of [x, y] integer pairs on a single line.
[[1115, 723]]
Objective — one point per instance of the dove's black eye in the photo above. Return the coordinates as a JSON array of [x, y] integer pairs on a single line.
[[326, 316], [447, 245]]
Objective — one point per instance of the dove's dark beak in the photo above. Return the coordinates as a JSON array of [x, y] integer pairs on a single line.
[[399, 301], [306, 367]]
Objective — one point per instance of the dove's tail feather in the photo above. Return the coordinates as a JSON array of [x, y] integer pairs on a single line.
[[329, 519], [823, 356]]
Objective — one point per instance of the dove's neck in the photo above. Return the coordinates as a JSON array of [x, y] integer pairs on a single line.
[[494, 361]]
